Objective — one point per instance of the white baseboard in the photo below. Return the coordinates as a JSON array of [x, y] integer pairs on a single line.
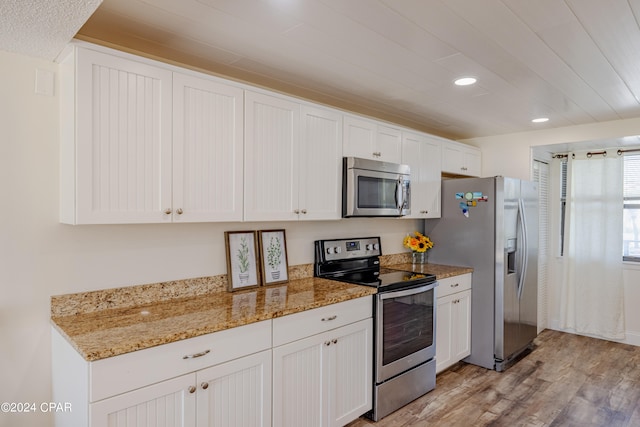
[[632, 337]]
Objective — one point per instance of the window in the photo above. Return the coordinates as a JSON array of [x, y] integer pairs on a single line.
[[631, 209], [631, 212]]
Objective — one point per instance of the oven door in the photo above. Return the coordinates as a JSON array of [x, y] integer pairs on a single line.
[[405, 329]]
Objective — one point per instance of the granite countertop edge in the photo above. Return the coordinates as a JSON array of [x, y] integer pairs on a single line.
[[107, 332]]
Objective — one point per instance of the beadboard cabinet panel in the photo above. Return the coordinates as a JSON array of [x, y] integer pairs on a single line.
[[453, 334], [352, 367], [461, 159], [320, 190], [272, 127], [424, 156], [207, 150], [370, 139], [236, 393], [120, 139], [324, 379], [168, 403]]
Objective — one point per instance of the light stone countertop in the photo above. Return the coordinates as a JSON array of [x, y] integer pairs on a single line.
[[110, 332], [440, 271], [106, 323]]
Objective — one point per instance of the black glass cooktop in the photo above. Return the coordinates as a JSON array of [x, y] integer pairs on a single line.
[[385, 278]]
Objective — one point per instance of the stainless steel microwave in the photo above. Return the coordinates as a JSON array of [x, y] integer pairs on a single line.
[[375, 188]]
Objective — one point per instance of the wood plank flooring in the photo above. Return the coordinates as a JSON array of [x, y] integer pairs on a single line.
[[567, 380]]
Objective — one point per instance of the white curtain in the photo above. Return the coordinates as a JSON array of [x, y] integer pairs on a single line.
[[592, 298]]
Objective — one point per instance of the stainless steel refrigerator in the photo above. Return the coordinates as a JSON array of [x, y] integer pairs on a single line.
[[491, 224]]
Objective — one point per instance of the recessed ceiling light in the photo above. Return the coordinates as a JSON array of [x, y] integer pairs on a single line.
[[540, 120], [465, 81]]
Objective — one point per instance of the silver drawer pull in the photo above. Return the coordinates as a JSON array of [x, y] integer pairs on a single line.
[[326, 319], [193, 356]]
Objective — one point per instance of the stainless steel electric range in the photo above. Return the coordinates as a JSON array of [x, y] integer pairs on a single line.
[[404, 319]]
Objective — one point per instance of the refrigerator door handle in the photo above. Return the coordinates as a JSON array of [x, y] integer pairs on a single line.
[[524, 248]]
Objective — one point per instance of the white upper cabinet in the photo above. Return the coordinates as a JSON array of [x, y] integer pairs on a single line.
[[207, 150], [142, 144], [461, 159], [320, 192], [293, 154], [115, 139], [423, 154], [272, 128], [369, 139]]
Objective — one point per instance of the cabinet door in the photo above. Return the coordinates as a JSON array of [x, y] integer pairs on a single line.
[[299, 386], [462, 325], [325, 379], [444, 331], [453, 329], [207, 150], [388, 144], [236, 393], [473, 162], [123, 140], [424, 157], [320, 170], [460, 160], [452, 159], [171, 403], [271, 158], [350, 388], [369, 140], [359, 137]]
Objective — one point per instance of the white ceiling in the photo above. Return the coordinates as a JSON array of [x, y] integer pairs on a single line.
[[41, 28], [574, 61]]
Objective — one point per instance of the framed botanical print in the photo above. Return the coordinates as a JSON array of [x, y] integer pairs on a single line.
[[242, 260], [273, 256]]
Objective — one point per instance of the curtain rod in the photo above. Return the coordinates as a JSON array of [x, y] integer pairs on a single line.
[[603, 153]]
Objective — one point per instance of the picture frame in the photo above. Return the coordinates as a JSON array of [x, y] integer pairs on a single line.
[[273, 256], [242, 260]]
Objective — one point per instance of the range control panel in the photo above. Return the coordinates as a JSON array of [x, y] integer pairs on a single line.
[[333, 250]]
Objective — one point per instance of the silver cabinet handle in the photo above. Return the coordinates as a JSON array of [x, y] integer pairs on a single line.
[[193, 356], [327, 319], [179, 211], [167, 211]]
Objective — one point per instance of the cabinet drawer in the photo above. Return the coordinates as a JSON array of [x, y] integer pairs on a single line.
[[454, 284], [300, 325], [129, 371]]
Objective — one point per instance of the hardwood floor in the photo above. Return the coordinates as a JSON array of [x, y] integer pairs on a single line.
[[567, 380]]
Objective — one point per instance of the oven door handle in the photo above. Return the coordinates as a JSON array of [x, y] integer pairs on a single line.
[[406, 292]]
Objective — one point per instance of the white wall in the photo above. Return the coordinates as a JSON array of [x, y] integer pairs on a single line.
[[511, 155], [40, 257]]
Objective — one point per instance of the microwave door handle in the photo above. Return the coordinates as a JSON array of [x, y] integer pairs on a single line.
[[399, 195]]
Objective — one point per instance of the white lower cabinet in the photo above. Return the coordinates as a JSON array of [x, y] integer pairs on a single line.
[[453, 321], [311, 368], [167, 403], [324, 379], [218, 379], [236, 393]]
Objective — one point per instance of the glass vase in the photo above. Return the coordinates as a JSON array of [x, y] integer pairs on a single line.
[[418, 257]]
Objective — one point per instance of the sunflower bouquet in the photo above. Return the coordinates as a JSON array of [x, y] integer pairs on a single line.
[[417, 242]]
